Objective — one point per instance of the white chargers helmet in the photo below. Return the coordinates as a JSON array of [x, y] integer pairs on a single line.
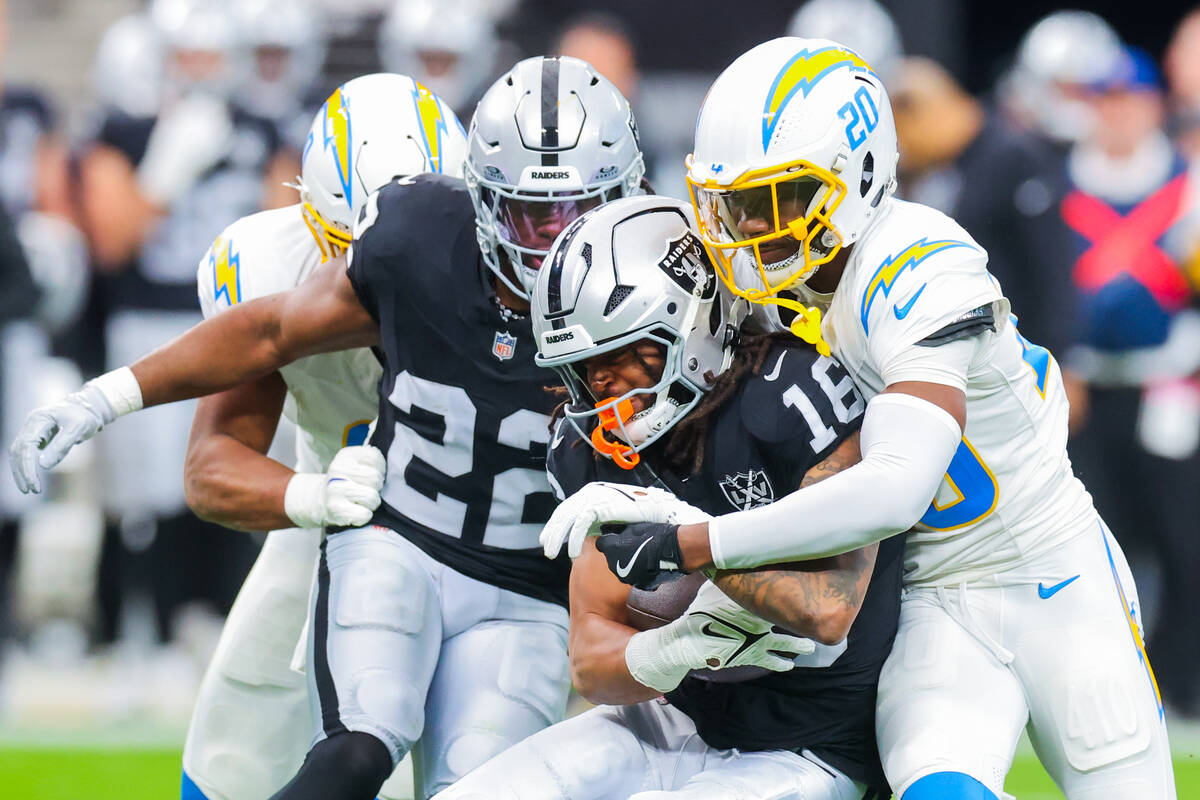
[[862, 25], [795, 152], [449, 45], [285, 51], [629, 271], [370, 130], [127, 74], [550, 139]]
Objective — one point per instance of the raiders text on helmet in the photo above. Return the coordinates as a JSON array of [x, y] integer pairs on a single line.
[[549, 140]]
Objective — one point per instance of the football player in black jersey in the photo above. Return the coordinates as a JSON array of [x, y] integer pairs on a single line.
[[441, 621], [627, 312]]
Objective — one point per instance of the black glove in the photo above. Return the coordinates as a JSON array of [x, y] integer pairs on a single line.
[[642, 554]]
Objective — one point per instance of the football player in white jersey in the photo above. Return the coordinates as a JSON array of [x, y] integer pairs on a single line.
[[1019, 611], [252, 723]]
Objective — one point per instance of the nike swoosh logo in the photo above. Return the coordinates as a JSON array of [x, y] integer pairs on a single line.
[[624, 569], [708, 630], [748, 639], [775, 372], [1047, 593], [902, 311]]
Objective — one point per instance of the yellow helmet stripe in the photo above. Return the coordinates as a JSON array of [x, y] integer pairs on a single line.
[[890, 269], [337, 134], [801, 74]]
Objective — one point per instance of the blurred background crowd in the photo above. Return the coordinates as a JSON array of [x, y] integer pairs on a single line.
[[131, 133]]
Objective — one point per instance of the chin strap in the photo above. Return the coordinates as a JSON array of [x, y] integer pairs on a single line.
[[612, 418]]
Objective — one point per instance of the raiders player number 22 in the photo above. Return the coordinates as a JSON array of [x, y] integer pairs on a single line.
[[440, 622]]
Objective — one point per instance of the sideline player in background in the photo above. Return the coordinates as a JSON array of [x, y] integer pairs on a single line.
[[446, 605], [252, 723], [1019, 610], [724, 426]]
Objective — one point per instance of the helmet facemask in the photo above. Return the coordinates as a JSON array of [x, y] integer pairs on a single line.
[[517, 226], [609, 424], [778, 222], [332, 238]]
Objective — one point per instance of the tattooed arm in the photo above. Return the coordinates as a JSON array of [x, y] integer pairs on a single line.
[[820, 598]]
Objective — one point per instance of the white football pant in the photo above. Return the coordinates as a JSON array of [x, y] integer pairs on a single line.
[[253, 723], [404, 648], [1053, 646], [646, 751]]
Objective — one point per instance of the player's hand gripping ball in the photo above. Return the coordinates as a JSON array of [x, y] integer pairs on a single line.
[[600, 502]]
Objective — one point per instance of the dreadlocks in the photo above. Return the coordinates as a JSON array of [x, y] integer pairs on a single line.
[[685, 442]]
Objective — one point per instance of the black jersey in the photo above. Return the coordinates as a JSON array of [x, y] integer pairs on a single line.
[[775, 428], [463, 413]]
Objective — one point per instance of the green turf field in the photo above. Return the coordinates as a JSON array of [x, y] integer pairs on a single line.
[[69, 774]]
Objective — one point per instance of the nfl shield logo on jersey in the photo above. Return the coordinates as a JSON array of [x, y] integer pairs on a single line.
[[504, 345], [748, 489]]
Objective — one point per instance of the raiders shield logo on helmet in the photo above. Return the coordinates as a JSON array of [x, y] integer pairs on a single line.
[[687, 264], [748, 489]]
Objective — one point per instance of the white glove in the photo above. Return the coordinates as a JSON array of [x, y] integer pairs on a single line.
[[188, 139], [600, 502], [347, 494], [714, 633], [49, 432]]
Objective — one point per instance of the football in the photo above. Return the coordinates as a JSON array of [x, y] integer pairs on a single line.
[[653, 608]]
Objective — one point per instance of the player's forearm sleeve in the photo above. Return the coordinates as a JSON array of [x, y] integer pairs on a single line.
[[907, 444]]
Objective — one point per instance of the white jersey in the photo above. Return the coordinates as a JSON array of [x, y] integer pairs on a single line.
[[332, 397], [1010, 493]]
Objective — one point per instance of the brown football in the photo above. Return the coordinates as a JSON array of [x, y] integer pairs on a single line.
[[653, 608]]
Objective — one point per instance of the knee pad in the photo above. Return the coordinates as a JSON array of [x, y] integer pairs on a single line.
[[534, 670], [188, 790], [948, 786]]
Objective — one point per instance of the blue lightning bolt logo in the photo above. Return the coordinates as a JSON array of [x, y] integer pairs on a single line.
[[885, 277]]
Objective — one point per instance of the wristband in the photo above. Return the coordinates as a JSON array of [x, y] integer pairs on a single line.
[[121, 389], [645, 659], [304, 499]]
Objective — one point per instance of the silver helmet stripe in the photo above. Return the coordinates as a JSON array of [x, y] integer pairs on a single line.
[[549, 110]]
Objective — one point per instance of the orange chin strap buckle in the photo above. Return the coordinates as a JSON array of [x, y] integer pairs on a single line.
[[610, 420]]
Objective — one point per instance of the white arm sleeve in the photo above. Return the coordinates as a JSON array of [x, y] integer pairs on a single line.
[[907, 444]]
